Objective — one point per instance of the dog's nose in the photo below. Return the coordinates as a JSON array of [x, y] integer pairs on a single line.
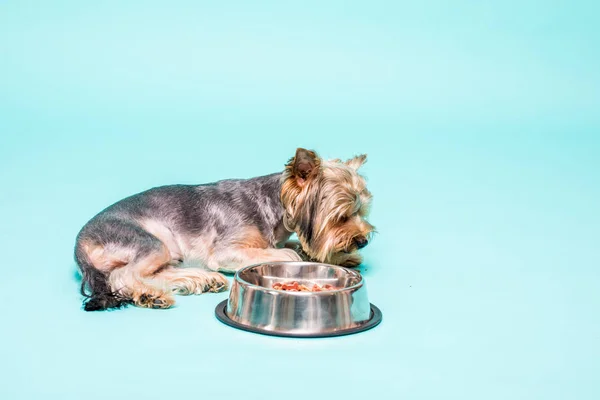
[[361, 242]]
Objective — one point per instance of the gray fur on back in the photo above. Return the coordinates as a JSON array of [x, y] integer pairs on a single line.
[[190, 210]]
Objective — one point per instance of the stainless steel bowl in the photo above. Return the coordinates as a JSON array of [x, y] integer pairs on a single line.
[[255, 306]]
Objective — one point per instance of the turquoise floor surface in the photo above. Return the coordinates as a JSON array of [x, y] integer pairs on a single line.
[[482, 128]]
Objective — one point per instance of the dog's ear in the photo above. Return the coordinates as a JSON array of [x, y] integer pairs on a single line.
[[304, 166], [357, 161]]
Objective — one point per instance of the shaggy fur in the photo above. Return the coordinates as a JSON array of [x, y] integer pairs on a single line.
[[176, 239]]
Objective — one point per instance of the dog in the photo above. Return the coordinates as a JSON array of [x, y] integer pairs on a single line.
[[177, 239]]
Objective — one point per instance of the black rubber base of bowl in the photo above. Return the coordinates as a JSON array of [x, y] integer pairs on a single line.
[[221, 315]]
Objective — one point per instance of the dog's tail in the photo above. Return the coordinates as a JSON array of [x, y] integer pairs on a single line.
[[95, 286]]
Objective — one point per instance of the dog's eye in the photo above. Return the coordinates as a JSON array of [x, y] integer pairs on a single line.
[[344, 219]]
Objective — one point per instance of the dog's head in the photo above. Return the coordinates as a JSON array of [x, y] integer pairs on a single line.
[[326, 203]]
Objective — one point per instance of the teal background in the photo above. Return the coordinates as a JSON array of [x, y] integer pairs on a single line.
[[481, 122]]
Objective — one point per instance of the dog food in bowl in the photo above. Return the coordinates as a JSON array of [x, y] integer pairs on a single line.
[[296, 287]]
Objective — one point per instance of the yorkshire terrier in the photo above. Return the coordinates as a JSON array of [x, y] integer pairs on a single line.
[[139, 250]]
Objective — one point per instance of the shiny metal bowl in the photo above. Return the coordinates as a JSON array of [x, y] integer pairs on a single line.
[[253, 304]]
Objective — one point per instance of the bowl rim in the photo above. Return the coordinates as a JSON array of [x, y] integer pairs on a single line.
[[239, 280]]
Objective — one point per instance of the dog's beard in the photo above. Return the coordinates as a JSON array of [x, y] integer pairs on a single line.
[[335, 246], [346, 259]]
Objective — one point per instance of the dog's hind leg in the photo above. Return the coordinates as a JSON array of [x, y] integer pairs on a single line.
[[139, 281], [152, 281], [119, 261]]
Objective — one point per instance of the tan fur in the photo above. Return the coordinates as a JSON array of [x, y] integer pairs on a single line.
[[165, 235], [342, 214], [251, 238], [201, 247], [106, 258], [235, 258], [186, 281]]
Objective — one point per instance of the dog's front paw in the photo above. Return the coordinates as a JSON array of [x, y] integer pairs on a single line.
[[217, 283], [289, 255]]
